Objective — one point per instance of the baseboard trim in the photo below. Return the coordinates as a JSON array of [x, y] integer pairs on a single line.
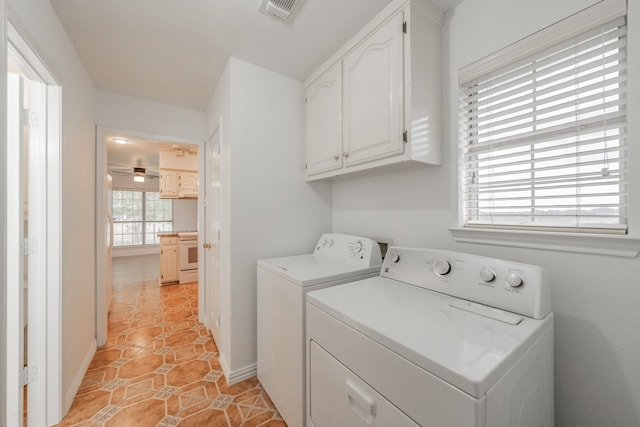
[[77, 379], [234, 377]]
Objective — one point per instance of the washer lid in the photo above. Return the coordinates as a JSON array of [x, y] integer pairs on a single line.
[[312, 269], [468, 350]]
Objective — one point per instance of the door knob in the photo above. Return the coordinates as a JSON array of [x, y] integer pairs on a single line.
[[206, 245]]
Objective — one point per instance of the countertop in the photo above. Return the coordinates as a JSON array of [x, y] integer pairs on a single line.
[[176, 233]]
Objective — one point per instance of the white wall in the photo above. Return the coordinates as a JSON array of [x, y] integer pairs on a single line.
[[185, 215], [595, 298], [49, 39], [269, 209], [124, 112]]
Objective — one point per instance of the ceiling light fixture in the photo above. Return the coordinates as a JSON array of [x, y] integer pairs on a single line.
[[120, 141], [138, 174]]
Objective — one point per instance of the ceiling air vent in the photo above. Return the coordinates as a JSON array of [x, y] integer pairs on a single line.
[[280, 8]]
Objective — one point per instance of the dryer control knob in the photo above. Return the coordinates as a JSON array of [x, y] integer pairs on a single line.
[[395, 258], [442, 267], [513, 279], [487, 275]]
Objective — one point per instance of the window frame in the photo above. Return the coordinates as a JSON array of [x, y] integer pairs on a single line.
[[143, 221]]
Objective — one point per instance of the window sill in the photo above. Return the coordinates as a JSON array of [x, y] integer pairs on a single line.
[[619, 246]]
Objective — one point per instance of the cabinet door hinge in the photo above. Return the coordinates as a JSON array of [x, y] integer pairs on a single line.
[[404, 136], [404, 27], [306, 166]]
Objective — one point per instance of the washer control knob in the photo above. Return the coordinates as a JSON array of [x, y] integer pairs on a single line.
[[357, 247], [442, 267], [330, 242], [487, 275], [395, 258], [513, 279]]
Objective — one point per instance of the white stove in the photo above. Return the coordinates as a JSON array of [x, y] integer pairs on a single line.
[[438, 339], [188, 257]]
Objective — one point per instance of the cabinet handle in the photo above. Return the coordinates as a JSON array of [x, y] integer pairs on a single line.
[[206, 245], [345, 155], [336, 157]]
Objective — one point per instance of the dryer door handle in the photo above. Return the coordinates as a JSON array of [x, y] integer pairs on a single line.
[[363, 404]]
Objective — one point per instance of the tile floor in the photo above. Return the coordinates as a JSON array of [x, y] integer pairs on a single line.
[[160, 366]]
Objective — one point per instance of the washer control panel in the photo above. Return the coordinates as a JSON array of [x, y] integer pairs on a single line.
[[361, 250], [516, 287]]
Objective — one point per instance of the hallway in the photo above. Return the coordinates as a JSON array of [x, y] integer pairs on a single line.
[[160, 366]]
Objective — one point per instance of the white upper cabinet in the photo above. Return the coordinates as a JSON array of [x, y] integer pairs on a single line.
[[373, 96], [168, 184], [188, 185], [377, 101], [178, 175], [323, 124]]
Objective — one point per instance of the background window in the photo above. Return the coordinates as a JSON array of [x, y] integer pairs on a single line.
[[138, 216]]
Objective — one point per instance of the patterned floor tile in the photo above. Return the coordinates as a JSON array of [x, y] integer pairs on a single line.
[[160, 367]]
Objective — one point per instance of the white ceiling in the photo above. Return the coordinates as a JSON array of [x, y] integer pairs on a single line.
[[173, 51]]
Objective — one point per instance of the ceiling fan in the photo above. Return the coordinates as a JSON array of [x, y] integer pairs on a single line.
[[131, 171]]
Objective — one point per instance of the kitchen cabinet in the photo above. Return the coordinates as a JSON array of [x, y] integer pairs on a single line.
[[178, 184], [168, 259], [168, 184], [386, 99], [187, 185]]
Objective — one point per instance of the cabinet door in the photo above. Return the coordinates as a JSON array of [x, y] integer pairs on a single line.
[[168, 184], [168, 263], [324, 122], [188, 184], [373, 96]]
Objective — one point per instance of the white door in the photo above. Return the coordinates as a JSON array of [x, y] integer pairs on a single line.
[[324, 122], [373, 96], [213, 209], [27, 260]]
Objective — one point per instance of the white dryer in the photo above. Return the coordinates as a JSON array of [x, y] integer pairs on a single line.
[[438, 339], [282, 286]]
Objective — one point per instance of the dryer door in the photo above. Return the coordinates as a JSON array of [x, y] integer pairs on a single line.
[[340, 399]]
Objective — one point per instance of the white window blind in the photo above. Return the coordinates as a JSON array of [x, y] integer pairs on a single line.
[[545, 138]]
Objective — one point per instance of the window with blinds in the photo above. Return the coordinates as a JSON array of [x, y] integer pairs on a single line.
[[545, 138]]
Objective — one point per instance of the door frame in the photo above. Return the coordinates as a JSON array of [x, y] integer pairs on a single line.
[[101, 170], [49, 410]]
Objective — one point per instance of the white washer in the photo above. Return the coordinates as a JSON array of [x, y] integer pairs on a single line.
[[438, 339], [282, 287]]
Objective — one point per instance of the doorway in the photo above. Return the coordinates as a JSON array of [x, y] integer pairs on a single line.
[[118, 153], [33, 236]]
